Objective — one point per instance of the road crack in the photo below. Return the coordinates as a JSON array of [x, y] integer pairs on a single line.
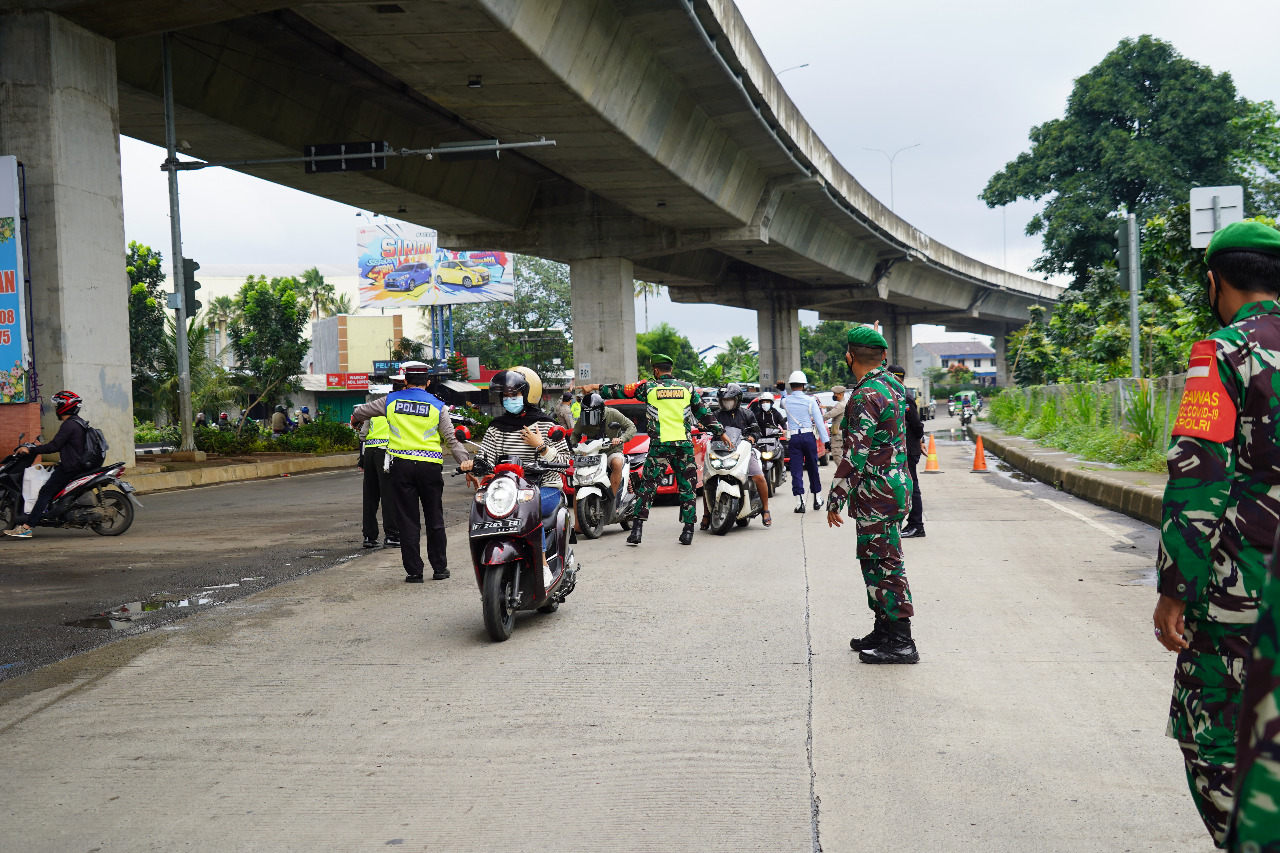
[[815, 802]]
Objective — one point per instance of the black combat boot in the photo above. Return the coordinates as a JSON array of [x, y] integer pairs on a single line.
[[898, 647], [877, 636], [913, 533], [686, 535], [636, 527]]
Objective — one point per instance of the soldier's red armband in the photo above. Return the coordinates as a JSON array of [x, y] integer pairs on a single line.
[[1207, 410], [630, 389]]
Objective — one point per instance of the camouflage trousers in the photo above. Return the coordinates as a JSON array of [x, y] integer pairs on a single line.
[[880, 556], [1255, 826], [680, 455], [1203, 715]]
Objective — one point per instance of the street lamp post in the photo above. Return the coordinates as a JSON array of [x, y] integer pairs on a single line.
[[891, 158]]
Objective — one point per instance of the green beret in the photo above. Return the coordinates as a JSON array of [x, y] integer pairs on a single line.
[[865, 336], [659, 358], [1248, 236]]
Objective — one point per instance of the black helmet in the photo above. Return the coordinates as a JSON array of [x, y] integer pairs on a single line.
[[593, 411], [280, 408], [506, 382], [730, 392]]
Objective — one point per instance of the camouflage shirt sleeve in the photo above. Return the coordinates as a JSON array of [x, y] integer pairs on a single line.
[[860, 417], [704, 415], [1195, 500], [621, 391]]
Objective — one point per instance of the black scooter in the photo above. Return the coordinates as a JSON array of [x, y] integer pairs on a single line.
[[772, 458], [99, 499], [506, 540]]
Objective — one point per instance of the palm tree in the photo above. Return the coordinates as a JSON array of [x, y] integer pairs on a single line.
[[212, 386], [314, 289], [341, 305], [644, 288], [221, 313]]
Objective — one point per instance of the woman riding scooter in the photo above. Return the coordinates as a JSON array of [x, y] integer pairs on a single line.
[[521, 431]]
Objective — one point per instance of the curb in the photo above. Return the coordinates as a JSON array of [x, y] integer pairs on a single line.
[[164, 481], [1140, 502]]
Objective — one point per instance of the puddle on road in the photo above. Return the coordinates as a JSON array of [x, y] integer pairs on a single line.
[[1014, 473], [124, 615]]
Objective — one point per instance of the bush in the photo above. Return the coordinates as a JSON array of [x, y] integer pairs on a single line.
[[146, 432], [227, 443]]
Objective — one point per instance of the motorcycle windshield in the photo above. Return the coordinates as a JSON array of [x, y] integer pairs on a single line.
[[728, 443]]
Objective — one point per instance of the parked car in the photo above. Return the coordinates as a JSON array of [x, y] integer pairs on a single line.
[[461, 272], [408, 277]]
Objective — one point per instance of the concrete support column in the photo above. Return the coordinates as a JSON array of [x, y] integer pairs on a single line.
[[604, 319], [1000, 345], [59, 116], [898, 335], [778, 337]]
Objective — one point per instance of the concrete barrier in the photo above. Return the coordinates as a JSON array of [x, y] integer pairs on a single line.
[[165, 480], [1114, 490]]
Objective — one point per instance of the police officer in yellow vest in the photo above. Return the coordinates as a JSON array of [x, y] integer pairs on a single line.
[[668, 400], [575, 409], [420, 430], [377, 480]]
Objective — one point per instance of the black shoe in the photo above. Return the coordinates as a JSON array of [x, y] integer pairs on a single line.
[[371, 543], [413, 578], [817, 502], [897, 647], [686, 535], [440, 574], [391, 542], [800, 504], [872, 640], [913, 533], [637, 527]]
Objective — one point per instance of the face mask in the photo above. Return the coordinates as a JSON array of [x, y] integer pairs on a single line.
[[766, 406], [1213, 292], [514, 405]]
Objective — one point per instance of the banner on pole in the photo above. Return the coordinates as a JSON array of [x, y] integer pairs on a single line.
[[400, 266], [15, 356]]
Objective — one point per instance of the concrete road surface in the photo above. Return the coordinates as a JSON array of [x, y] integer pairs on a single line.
[[683, 699]]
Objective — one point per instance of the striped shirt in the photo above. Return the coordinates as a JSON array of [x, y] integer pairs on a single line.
[[497, 444]]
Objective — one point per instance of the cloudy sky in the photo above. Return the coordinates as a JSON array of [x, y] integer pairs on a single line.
[[964, 81]]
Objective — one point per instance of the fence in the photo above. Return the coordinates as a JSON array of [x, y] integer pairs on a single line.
[[1146, 406]]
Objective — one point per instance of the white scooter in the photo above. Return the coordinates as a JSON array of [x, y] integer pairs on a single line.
[[597, 504], [731, 494]]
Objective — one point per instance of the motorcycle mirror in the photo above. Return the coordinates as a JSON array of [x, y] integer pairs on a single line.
[[462, 433], [557, 433]]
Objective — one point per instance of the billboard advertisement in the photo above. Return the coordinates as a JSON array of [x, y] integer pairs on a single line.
[[14, 356], [400, 266]]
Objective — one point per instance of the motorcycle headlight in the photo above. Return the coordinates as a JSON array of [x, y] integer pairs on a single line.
[[500, 499], [766, 454]]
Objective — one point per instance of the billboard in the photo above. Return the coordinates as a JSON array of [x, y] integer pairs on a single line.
[[14, 354], [400, 266]]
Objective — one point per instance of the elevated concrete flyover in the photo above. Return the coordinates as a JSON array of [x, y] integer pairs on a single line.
[[678, 156]]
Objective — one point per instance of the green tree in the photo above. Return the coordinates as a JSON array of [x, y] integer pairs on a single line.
[[646, 289], [667, 340], [267, 336], [1035, 359], [407, 349], [736, 362], [1140, 129], [542, 301], [315, 292], [341, 305], [822, 349], [145, 268]]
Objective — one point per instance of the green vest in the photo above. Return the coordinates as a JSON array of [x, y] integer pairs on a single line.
[[575, 409], [379, 432], [670, 402], [414, 424]]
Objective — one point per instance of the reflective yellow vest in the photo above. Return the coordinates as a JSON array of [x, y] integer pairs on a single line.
[[413, 418], [575, 409], [379, 432], [670, 403]]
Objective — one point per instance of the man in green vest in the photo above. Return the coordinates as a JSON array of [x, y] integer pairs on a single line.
[[575, 409], [668, 400], [377, 479]]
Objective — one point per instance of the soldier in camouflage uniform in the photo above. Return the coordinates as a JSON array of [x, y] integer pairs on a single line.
[[1221, 507], [1255, 826], [670, 402], [872, 476]]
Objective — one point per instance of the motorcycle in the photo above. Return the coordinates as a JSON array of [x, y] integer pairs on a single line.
[[772, 458], [597, 505], [966, 415], [731, 494], [506, 541], [99, 499]]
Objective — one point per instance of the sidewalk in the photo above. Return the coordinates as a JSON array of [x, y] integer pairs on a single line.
[[205, 475]]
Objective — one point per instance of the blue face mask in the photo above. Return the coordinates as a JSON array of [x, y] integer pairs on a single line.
[[514, 405]]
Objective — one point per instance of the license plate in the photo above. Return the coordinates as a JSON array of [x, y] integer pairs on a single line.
[[126, 487], [500, 525]]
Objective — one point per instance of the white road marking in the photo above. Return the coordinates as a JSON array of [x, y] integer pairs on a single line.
[[1089, 521]]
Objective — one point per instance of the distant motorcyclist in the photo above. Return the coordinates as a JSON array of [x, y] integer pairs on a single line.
[[304, 416], [224, 423], [200, 421], [601, 421], [733, 414], [279, 421], [69, 444]]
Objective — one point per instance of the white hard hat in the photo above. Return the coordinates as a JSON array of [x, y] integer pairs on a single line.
[[766, 396], [798, 378]]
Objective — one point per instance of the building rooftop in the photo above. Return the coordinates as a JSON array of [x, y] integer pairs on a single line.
[[945, 348]]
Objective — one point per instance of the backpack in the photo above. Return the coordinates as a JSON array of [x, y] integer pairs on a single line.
[[95, 446]]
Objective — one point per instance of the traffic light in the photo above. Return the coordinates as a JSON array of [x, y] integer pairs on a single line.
[[1122, 252], [190, 286]]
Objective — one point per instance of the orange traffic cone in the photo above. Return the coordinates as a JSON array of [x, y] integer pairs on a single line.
[[931, 463], [979, 458]]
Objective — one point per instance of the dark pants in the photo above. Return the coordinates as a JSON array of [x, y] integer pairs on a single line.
[[916, 517], [414, 483], [377, 489], [804, 457], [57, 481]]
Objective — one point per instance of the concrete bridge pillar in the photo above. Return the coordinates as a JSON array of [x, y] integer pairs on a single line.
[[778, 337], [604, 319], [1000, 345], [59, 116], [898, 335]]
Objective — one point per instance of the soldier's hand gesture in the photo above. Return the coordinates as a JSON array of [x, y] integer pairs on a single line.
[[833, 518]]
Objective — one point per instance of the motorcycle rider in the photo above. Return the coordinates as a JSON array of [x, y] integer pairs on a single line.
[[600, 421], [224, 423], [304, 416], [733, 414], [69, 443], [768, 414], [522, 431], [668, 400]]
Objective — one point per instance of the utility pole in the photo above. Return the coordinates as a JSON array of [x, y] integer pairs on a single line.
[[179, 271], [1129, 265]]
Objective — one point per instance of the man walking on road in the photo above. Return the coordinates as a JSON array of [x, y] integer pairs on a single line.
[[915, 446], [1220, 510], [420, 427], [809, 435], [872, 477], [668, 400]]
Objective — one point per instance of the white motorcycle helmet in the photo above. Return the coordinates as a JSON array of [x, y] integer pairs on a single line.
[[797, 377], [765, 400]]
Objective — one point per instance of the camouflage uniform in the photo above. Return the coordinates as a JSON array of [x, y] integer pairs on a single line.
[[1255, 825], [1220, 512], [677, 452], [873, 466]]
